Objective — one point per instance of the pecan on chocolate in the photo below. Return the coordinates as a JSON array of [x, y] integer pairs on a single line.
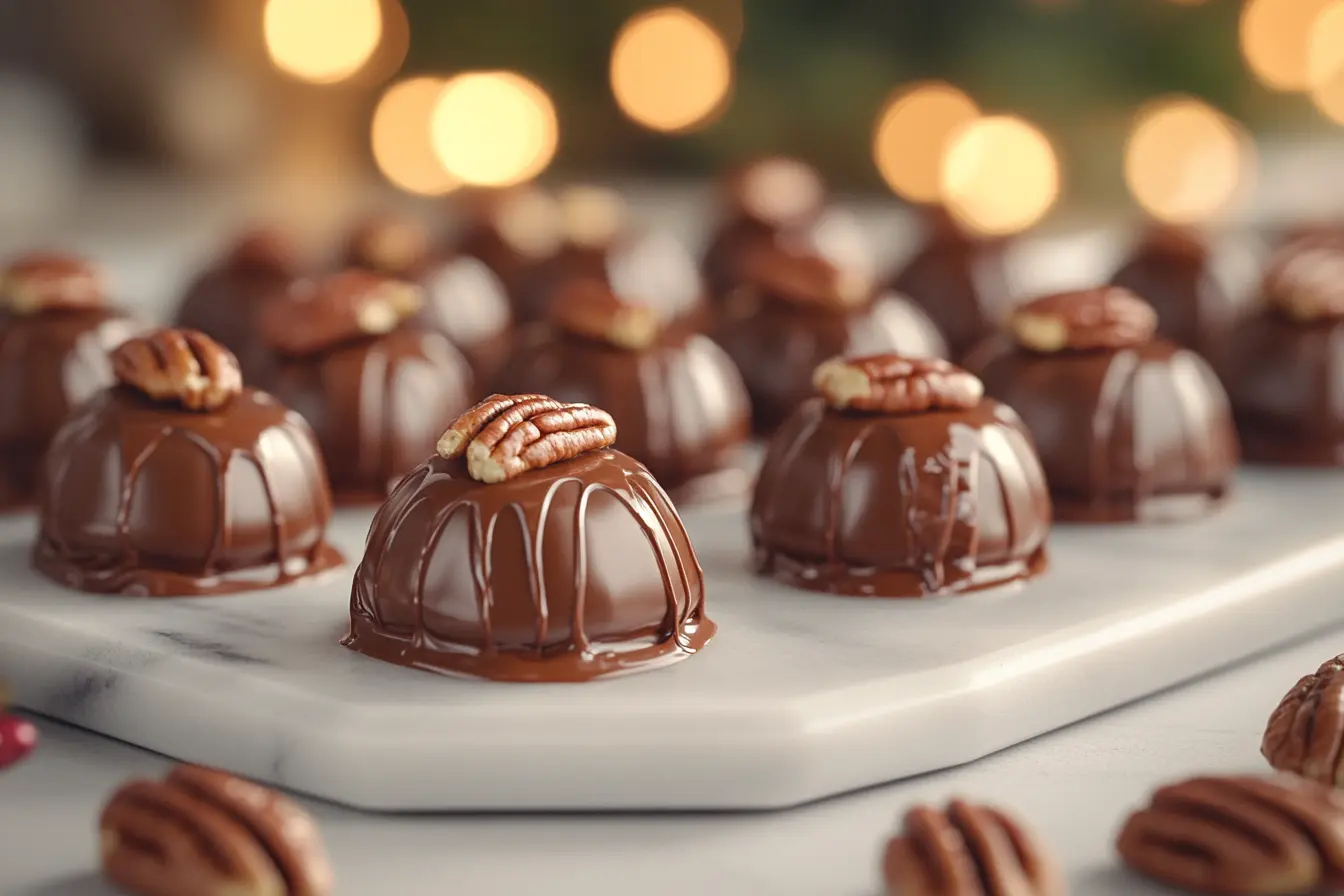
[[50, 282], [588, 308], [183, 367], [388, 245], [804, 280], [507, 435], [205, 831], [1305, 734], [1305, 280], [967, 850], [1259, 836], [891, 384], [353, 304], [1109, 317]]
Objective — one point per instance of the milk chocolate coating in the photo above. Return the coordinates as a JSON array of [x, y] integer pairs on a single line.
[[149, 499], [486, 234], [50, 362], [1171, 270], [467, 302], [960, 281], [777, 344], [377, 404], [900, 505], [224, 301], [1283, 378], [1140, 433], [574, 571], [680, 406]]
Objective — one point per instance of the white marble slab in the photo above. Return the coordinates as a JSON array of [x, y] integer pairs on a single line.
[[800, 696]]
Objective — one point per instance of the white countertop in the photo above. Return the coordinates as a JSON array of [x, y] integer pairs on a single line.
[[1074, 786]]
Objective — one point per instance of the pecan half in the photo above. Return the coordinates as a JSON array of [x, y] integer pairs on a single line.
[[804, 280], [1305, 280], [891, 384], [967, 849], [205, 831], [1252, 835], [1305, 734], [1109, 317], [388, 245], [50, 282], [590, 309], [507, 435], [184, 367], [337, 309]]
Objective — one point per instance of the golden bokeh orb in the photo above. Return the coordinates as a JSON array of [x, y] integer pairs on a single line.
[[1325, 62], [1184, 160], [912, 133], [400, 137], [1274, 40], [671, 71], [322, 41], [494, 129], [1000, 175]]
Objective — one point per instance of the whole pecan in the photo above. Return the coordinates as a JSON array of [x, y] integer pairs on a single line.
[[1305, 734], [1252, 835], [1109, 317], [1305, 280], [891, 384], [967, 850], [507, 435], [388, 245], [804, 280], [205, 831], [590, 309], [183, 367], [337, 309], [49, 282]]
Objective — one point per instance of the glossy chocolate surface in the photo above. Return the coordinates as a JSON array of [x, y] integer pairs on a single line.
[[1171, 269], [900, 505], [49, 363], [1285, 379], [960, 281], [378, 405], [141, 498], [776, 344], [1141, 433], [511, 231], [468, 303], [571, 572], [680, 406]]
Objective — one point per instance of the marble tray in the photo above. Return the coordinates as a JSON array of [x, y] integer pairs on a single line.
[[799, 697]]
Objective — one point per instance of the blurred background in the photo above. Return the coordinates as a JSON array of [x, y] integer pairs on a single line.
[[1014, 113]]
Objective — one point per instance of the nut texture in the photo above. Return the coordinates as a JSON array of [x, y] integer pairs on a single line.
[[203, 831], [1251, 835], [967, 850], [507, 435], [1305, 734], [183, 367], [804, 280], [1305, 281], [50, 282], [326, 313], [589, 309], [891, 384], [1110, 317]]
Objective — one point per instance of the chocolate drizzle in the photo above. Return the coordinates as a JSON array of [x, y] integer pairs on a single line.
[[913, 505], [575, 571], [156, 501]]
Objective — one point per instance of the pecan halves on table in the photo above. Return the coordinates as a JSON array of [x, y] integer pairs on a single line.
[[1305, 734]]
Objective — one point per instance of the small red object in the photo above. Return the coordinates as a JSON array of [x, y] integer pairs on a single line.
[[18, 738]]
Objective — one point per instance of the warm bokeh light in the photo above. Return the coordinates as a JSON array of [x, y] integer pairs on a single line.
[[1000, 175], [322, 41], [1183, 160], [1325, 62], [670, 70], [912, 134], [494, 129], [400, 137], [1274, 38]]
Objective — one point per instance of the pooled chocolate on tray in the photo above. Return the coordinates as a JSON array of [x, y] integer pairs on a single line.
[[463, 298], [1285, 362], [526, 549], [179, 481], [678, 400], [900, 480], [795, 310], [376, 390], [56, 329], [1128, 426]]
